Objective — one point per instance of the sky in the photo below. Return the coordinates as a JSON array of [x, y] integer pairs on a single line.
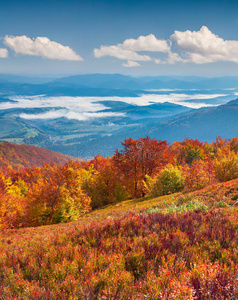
[[134, 37]]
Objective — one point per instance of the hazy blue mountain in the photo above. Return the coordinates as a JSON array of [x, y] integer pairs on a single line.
[[205, 124], [94, 80], [157, 110], [108, 84], [100, 135], [118, 81], [25, 79], [220, 82]]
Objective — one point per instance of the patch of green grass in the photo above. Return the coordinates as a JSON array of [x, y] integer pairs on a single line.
[[174, 208]]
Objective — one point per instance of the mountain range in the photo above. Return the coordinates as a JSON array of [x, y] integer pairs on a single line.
[[108, 84], [205, 124], [161, 107]]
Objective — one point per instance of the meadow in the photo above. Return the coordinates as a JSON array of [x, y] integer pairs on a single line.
[[127, 251]]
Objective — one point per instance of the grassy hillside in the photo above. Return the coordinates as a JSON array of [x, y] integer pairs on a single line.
[[24, 156], [171, 247]]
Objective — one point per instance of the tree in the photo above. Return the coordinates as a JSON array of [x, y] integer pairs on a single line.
[[103, 184], [226, 165], [170, 180], [140, 158], [57, 195], [199, 175], [12, 202], [188, 151]]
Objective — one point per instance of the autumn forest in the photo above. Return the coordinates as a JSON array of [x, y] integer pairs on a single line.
[[154, 221], [55, 193]]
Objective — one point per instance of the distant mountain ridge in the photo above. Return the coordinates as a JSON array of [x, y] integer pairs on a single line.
[[85, 138], [118, 81], [108, 84], [204, 124]]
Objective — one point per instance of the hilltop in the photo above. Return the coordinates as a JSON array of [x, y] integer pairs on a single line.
[[25, 156]]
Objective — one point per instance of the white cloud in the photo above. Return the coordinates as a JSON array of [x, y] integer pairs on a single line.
[[171, 59], [121, 53], [129, 48], [86, 108], [146, 43], [40, 46], [3, 53], [199, 47], [104, 115], [203, 46], [77, 108], [130, 64], [71, 115]]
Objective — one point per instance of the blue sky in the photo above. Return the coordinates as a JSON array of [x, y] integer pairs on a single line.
[[72, 30]]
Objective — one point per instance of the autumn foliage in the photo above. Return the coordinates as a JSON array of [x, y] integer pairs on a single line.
[[55, 193], [137, 255], [40, 196], [182, 246], [24, 156]]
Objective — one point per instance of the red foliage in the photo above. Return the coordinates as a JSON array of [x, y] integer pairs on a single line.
[[140, 158], [25, 156]]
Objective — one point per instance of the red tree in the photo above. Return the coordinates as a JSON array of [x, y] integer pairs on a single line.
[[140, 158]]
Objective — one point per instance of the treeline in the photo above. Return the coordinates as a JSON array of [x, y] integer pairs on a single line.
[[55, 193]]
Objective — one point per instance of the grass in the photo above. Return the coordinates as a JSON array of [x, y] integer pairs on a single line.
[[136, 205], [184, 249]]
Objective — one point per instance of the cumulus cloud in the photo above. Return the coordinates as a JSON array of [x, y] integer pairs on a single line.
[[3, 53], [129, 48], [130, 64], [203, 46], [40, 46], [199, 47], [172, 58], [146, 43], [121, 53]]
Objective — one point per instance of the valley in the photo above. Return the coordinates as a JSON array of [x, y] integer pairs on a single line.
[[84, 115]]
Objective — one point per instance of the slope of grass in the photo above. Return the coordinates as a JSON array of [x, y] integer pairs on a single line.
[[126, 251]]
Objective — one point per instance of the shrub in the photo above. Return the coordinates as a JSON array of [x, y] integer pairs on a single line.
[[169, 181]]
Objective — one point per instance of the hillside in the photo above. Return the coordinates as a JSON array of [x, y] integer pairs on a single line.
[[178, 242], [204, 124], [127, 251], [24, 156]]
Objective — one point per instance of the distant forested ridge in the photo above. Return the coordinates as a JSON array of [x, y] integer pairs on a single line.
[[25, 156]]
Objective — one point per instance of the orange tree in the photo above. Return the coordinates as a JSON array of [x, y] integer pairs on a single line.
[[103, 182], [57, 195], [188, 150]]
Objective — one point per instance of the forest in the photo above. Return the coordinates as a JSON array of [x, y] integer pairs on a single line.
[[56, 193]]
